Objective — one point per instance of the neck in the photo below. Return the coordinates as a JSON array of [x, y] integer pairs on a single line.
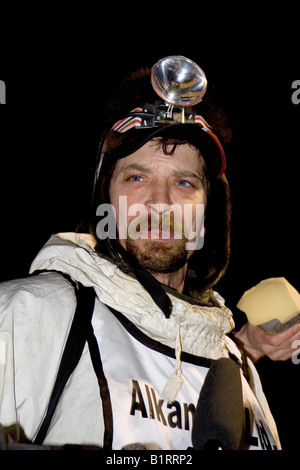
[[174, 279]]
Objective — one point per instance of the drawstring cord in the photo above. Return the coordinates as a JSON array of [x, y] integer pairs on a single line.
[[175, 381]]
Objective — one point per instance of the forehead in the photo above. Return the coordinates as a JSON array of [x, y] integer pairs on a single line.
[[153, 153]]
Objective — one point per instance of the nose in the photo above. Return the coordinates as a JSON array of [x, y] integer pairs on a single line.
[[159, 194]]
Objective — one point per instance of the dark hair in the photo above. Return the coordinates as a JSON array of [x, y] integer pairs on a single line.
[[209, 264]]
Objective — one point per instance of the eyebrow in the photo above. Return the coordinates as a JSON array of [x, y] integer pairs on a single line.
[[187, 174], [138, 167], [177, 173]]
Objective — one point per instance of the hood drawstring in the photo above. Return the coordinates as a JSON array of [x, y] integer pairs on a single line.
[[175, 381]]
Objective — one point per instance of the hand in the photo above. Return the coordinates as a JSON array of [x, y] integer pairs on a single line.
[[256, 343]]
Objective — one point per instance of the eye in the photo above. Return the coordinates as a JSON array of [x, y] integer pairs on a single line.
[[184, 183], [135, 178]]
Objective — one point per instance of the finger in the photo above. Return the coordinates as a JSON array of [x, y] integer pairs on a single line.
[[285, 351], [280, 355], [283, 339]]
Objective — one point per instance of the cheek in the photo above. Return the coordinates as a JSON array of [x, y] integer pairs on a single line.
[[201, 197], [119, 189], [198, 198], [114, 201], [193, 212], [121, 203], [113, 193]]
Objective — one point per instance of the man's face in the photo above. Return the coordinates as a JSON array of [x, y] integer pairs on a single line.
[[169, 188]]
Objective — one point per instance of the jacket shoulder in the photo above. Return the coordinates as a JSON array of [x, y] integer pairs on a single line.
[[47, 291]]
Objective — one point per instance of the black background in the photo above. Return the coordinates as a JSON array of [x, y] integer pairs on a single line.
[[58, 70]]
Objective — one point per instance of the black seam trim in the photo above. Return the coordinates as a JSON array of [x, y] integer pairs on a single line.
[[156, 345]]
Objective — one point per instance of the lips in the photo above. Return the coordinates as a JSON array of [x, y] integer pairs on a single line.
[[149, 228], [156, 234]]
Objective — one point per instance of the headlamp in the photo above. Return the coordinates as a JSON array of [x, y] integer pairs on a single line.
[[165, 115], [181, 84], [156, 116], [178, 81]]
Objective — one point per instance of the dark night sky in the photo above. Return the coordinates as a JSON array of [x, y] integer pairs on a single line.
[[58, 73], [51, 131]]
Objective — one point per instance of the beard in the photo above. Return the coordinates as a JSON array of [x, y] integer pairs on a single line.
[[158, 257]]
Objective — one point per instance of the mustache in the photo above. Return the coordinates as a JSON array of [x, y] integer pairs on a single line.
[[163, 222]]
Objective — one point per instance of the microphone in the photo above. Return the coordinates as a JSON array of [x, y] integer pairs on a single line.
[[134, 446], [219, 416]]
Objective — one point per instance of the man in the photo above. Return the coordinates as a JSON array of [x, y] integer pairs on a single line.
[[122, 359]]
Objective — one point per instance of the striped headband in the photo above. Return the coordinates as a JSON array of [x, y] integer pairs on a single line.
[[143, 118]]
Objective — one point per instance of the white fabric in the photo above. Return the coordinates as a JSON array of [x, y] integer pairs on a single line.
[[202, 329], [35, 317]]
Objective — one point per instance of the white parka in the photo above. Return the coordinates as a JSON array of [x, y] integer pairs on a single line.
[[35, 318]]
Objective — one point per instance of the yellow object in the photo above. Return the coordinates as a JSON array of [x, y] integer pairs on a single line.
[[274, 301]]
